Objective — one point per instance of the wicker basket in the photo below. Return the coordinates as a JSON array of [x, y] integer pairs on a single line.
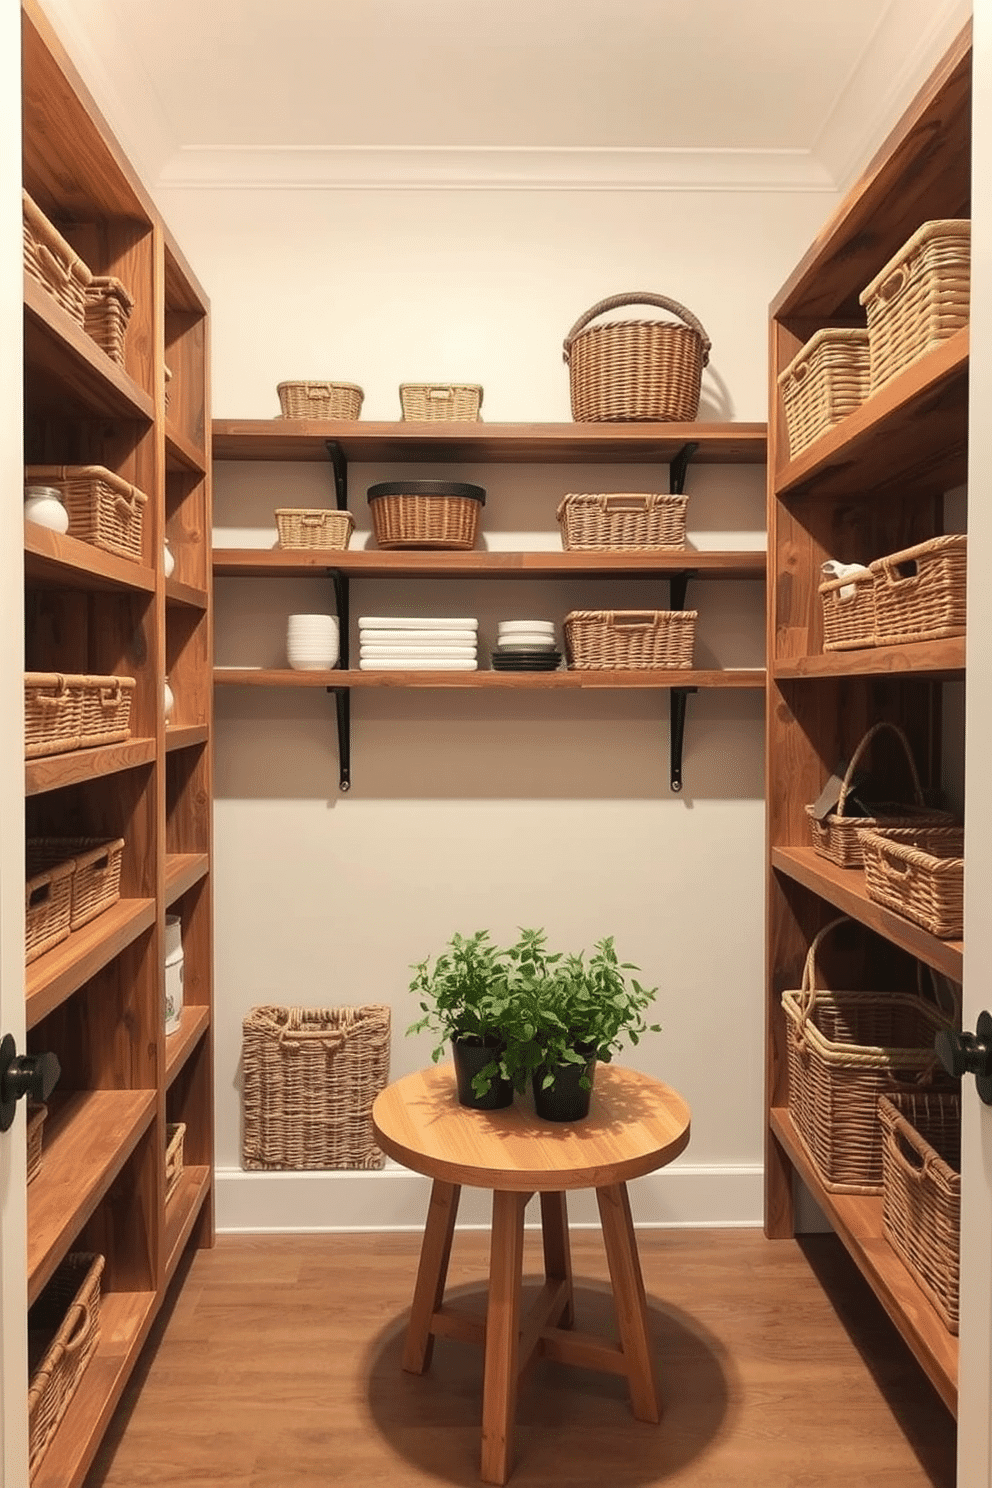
[[310, 1076], [919, 873], [175, 1135], [314, 527], [108, 310], [845, 1049], [826, 381], [425, 402], [104, 509], [636, 370], [63, 1332], [106, 710], [837, 836], [53, 705], [96, 871], [37, 1114], [920, 592], [849, 612], [52, 263], [919, 299], [629, 639], [426, 513], [622, 521], [331, 401], [921, 1192]]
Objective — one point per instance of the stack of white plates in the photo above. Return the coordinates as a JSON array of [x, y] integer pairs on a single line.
[[407, 643], [525, 646]]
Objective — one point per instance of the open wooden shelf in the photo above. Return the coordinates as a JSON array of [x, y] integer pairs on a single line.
[[66, 967], [657, 678], [940, 660], [55, 771], [647, 444], [182, 871], [857, 1219], [189, 595], [73, 370], [56, 559], [185, 736], [181, 453], [88, 1137], [378, 563], [181, 1213], [193, 1024]]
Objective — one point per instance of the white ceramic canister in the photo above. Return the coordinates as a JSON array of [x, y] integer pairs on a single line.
[[168, 699], [43, 505], [168, 559], [313, 642], [173, 972]]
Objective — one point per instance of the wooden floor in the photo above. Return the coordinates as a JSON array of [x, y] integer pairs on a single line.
[[278, 1366]]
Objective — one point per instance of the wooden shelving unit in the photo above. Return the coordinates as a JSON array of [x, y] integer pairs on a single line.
[[871, 485], [96, 999]]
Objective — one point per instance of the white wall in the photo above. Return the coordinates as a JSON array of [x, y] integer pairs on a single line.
[[473, 809]]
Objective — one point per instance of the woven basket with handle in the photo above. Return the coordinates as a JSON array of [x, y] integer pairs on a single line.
[[917, 871], [919, 593], [921, 1191], [824, 382], [108, 310], [332, 401], [630, 639], [313, 527], [845, 1050], [636, 370], [63, 1332], [310, 1076], [919, 298], [622, 521], [51, 262], [104, 509], [430, 402], [837, 836]]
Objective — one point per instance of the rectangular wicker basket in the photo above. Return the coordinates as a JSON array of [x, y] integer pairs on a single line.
[[329, 401], [309, 1078], [175, 1135], [106, 710], [921, 1192], [845, 1049], [849, 612], [919, 593], [95, 864], [919, 873], [53, 707], [108, 310], [104, 509], [63, 1333], [51, 262], [630, 639], [314, 527], [920, 297], [427, 402], [622, 520], [824, 382], [37, 1114]]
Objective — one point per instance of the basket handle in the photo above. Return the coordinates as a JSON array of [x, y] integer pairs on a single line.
[[875, 729], [128, 504], [891, 288], [62, 270], [294, 1034], [440, 394], [895, 579], [634, 619], [913, 1156], [808, 990], [637, 297], [308, 521], [77, 1329], [111, 695], [55, 699]]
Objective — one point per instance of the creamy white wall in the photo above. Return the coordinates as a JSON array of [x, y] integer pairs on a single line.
[[473, 809]]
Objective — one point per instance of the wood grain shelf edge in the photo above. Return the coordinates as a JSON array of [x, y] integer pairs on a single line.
[[54, 771], [109, 387], [181, 1213], [58, 558], [68, 966], [185, 735], [577, 563], [182, 871], [194, 1022], [937, 659], [658, 679]]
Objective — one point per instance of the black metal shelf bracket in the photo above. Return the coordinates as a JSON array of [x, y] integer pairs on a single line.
[[676, 706], [679, 466], [339, 463], [342, 695]]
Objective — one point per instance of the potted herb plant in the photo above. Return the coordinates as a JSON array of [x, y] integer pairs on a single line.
[[460, 995]]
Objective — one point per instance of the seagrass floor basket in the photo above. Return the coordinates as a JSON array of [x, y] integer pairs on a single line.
[[824, 382], [309, 1078], [63, 1333], [622, 521], [845, 1050], [636, 370], [919, 298], [921, 1192]]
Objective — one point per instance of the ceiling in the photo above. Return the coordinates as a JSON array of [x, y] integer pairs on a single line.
[[202, 87]]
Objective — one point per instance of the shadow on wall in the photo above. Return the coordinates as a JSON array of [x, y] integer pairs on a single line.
[[427, 745]]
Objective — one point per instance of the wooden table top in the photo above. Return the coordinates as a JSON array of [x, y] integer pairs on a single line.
[[635, 1125]]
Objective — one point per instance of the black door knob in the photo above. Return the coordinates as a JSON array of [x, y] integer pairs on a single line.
[[23, 1074], [969, 1054]]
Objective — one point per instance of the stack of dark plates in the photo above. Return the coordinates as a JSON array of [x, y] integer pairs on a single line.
[[526, 646]]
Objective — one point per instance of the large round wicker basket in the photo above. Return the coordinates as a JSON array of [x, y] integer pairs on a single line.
[[636, 370]]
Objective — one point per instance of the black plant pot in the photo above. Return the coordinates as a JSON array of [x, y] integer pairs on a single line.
[[565, 1099], [471, 1056]]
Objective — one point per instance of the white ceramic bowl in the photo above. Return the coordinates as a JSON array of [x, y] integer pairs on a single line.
[[525, 627], [313, 642], [526, 643]]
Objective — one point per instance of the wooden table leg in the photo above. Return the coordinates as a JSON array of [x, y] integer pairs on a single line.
[[499, 1390], [428, 1294], [629, 1300], [557, 1253]]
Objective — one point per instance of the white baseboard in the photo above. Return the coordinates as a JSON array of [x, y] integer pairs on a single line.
[[392, 1198]]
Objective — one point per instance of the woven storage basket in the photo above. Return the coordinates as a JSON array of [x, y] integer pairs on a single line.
[[622, 520], [52, 263], [96, 871], [837, 836], [845, 1049], [824, 382], [175, 1135], [104, 509], [310, 1076], [629, 639], [428, 401], [47, 908], [426, 513], [314, 527], [53, 706], [920, 298], [848, 612], [331, 401], [37, 1114], [105, 710], [920, 592], [108, 310], [636, 370], [63, 1332], [919, 873], [921, 1192]]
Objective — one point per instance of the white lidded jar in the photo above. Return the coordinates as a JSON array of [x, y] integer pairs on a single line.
[[173, 972], [43, 505], [168, 559], [168, 700]]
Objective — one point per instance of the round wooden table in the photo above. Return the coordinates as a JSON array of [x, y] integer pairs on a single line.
[[635, 1125]]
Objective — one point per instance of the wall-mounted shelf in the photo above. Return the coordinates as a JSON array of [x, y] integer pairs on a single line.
[[652, 680]]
